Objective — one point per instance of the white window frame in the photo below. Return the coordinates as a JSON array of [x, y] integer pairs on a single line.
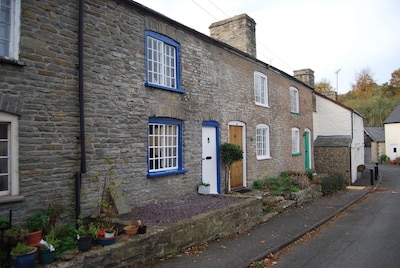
[[295, 141], [262, 142], [14, 30], [294, 100], [12, 139], [261, 89]]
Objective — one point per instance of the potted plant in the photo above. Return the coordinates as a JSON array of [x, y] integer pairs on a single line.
[[23, 256], [85, 234], [142, 227], [35, 225], [204, 188], [47, 248], [13, 235], [108, 189], [131, 229]]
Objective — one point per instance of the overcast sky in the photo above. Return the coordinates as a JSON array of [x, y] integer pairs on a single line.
[[324, 36]]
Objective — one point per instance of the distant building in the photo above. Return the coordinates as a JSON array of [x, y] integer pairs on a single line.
[[392, 133], [375, 142]]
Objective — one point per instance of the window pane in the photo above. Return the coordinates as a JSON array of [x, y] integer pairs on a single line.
[[162, 147], [3, 131], [4, 183], [3, 148], [3, 165]]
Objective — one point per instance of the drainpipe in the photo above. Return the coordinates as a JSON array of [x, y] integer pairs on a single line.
[[351, 147], [78, 177]]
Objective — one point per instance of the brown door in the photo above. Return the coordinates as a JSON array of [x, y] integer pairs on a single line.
[[236, 171]]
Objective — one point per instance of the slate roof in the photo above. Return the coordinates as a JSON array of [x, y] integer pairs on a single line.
[[333, 141], [394, 116], [377, 134]]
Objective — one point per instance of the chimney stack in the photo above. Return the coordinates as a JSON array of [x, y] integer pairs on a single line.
[[305, 75], [238, 31]]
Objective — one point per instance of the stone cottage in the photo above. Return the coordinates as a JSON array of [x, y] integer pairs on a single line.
[[82, 81]]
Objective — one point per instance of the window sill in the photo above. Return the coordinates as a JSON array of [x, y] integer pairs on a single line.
[[178, 90], [264, 157], [295, 113], [262, 105], [296, 154], [166, 173], [12, 62], [11, 199]]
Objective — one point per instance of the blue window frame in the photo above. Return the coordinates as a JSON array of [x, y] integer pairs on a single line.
[[162, 62], [164, 155]]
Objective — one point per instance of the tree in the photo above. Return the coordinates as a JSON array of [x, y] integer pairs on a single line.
[[365, 85], [323, 86]]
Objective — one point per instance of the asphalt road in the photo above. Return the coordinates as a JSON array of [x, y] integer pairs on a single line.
[[366, 235]]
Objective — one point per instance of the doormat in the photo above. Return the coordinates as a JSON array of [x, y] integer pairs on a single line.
[[242, 191]]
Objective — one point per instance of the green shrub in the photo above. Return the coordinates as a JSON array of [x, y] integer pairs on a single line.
[[332, 183], [259, 184], [287, 181], [384, 158], [66, 235]]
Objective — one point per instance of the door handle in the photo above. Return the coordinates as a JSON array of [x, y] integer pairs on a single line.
[[208, 157]]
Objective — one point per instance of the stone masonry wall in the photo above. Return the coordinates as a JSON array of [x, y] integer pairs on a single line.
[[333, 160], [162, 241], [218, 81], [43, 92]]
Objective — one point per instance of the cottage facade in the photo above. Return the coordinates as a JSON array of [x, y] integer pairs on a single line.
[[392, 133], [114, 79], [374, 140], [339, 138]]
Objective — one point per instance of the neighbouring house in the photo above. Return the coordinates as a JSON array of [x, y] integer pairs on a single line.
[[392, 133], [374, 140], [85, 81], [339, 138]]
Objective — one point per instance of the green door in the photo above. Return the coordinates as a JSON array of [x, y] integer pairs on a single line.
[[307, 150]]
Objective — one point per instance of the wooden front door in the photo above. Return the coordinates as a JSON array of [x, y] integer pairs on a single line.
[[236, 171]]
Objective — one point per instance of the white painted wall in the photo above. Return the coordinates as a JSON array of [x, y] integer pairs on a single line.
[[331, 118], [392, 139], [357, 145]]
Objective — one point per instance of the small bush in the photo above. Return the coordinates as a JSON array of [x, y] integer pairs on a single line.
[[384, 158], [287, 181], [259, 184], [333, 183]]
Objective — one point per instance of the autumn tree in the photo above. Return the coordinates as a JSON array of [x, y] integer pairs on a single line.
[[392, 88], [374, 102], [365, 85], [323, 86]]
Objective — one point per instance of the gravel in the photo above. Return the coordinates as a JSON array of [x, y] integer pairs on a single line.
[[165, 212]]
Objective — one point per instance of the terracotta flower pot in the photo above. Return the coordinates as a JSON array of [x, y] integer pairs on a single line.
[[131, 229], [34, 238]]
